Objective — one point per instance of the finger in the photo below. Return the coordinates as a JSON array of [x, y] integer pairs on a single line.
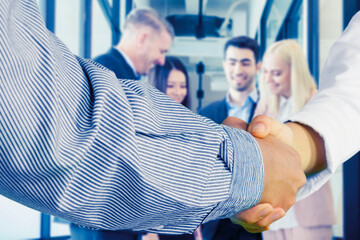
[[235, 123], [256, 230], [254, 214], [264, 223], [262, 126], [252, 228], [273, 217]]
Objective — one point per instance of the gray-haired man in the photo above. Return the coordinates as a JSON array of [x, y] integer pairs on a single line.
[[145, 40]]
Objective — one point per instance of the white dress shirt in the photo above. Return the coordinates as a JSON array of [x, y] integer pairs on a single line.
[[334, 112], [246, 110]]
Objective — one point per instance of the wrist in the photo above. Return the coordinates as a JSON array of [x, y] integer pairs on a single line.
[[310, 145]]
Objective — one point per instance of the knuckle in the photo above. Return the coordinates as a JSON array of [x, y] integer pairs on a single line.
[[263, 225], [247, 219]]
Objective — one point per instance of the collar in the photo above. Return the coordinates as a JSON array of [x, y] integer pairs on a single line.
[[128, 61], [253, 96]]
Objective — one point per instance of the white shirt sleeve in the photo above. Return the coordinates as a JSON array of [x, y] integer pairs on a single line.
[[335, 111]]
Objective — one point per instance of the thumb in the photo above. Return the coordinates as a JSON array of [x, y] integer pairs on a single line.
[[262, 126]]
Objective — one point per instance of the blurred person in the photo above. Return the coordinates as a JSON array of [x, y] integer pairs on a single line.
[[145, 40], [286, 85], [241, 65], [172, 79]]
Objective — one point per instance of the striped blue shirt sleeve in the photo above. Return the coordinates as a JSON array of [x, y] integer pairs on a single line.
[[104, 153]]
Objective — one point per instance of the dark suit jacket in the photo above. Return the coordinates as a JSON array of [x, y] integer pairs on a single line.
[[216, 111], [115, 61]]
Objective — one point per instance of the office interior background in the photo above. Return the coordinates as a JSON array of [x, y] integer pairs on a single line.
[[91, 27]]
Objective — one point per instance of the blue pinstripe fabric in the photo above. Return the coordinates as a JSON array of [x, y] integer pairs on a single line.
[[105, 153]]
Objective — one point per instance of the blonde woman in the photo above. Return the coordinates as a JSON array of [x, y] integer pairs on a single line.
[[286, 85]]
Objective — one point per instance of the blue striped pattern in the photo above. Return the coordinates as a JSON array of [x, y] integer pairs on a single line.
[[105, 153]]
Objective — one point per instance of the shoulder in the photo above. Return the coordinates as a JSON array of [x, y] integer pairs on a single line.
[[106, 57], [114, 61]]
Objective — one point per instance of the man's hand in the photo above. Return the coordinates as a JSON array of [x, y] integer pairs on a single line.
[[308, 143], [283, 172], [259, 217], [283, 178]]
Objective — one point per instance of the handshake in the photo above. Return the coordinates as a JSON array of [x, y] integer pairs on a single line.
[[289, 151]]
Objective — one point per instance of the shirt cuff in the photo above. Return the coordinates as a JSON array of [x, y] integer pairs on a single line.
[[247, 175]]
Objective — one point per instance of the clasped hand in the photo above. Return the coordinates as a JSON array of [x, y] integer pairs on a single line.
[[283, 172]]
